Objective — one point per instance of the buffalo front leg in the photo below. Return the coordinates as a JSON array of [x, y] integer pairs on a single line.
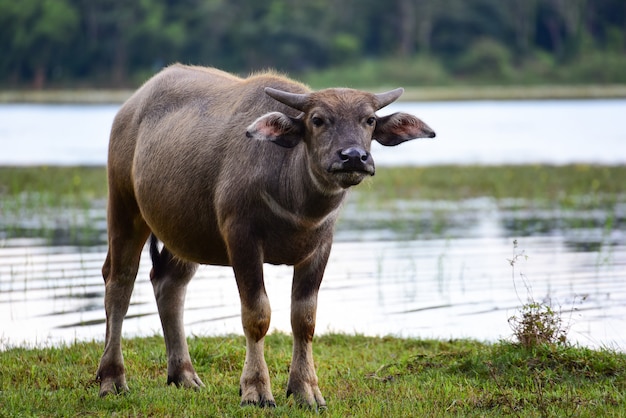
[[307, 278], [170, 277], [247, 264], [119, 272]]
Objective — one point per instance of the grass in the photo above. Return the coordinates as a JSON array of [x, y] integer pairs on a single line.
[[359, 376], [562, 184], [64, 205], [412, 92], [54, 186], [76, 196], [76, 96], [427, 202]]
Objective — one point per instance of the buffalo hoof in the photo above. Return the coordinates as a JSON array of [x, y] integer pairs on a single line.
[[187, 380], [254, 397], [263, 403], [308, 395], [113, 387]]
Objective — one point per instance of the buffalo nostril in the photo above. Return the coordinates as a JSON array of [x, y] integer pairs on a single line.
[[354, 154]]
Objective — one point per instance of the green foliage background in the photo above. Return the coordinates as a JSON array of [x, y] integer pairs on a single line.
[[119, 43]]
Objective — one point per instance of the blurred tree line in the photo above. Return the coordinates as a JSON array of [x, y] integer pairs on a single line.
[[118, 43]]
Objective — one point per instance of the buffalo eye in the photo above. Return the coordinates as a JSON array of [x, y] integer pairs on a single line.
[[317, 121], [371, 121]]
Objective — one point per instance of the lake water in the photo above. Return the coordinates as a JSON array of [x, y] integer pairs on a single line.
[[509, 132], [450, 281]]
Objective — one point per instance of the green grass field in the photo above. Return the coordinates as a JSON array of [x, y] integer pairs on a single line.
[[359, 376]]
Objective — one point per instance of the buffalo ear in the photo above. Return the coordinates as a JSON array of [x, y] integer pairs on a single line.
[[400, 127], [277, 128]]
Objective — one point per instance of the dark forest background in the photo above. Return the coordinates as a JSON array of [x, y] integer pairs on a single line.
[[119, 43]]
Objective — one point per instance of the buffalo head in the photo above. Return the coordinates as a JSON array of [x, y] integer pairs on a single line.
[[337, 127]]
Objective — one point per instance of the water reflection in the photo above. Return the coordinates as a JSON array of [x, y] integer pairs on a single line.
[[428, 269]]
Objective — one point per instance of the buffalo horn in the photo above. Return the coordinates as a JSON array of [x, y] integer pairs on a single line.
[[293, 100], [388, 97]]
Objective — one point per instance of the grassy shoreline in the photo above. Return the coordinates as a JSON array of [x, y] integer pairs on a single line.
[[412, 93], [34, 198], [359, 376], [439, 182]]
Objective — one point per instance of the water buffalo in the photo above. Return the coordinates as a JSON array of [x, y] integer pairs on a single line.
[[235, 172]]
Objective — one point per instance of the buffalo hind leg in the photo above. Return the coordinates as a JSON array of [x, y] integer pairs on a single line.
[[170, 277], [303, 384], [120, 268]]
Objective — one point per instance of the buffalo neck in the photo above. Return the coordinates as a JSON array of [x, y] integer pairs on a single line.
[[300, 190]]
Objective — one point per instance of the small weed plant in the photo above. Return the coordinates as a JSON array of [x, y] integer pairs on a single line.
[[536, 323]]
